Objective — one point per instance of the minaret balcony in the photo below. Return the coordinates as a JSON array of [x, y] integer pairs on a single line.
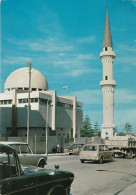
[[107, 126], [108, 82], [107, 53]]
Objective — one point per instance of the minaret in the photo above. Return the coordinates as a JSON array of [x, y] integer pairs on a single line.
[[107, 84]]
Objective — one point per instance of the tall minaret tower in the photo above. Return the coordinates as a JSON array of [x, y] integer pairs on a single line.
[[107, 84]]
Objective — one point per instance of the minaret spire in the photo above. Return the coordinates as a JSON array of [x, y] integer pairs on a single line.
[[107, 40], [107, 84]]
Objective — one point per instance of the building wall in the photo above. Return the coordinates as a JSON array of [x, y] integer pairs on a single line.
[[14, 115], [64, 117]]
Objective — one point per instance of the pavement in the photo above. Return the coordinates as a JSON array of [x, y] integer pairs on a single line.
[[129, 190]]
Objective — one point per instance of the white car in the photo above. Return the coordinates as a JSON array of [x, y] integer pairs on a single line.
[[95, 152], [26, 155]]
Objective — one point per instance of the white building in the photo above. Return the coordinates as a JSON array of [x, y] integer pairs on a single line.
[[108, 84], [63, 115]]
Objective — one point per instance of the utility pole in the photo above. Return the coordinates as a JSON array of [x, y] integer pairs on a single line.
[[0, 48], [28, 108], [47, 118]]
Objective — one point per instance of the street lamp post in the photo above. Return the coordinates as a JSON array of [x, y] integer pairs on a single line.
[[47, 107]]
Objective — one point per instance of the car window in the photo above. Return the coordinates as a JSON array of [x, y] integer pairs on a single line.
[[106, 148], [74, 146], [90, 148], [24, 149], [16, 147], [80, 145], [101, 148], [8, 166]]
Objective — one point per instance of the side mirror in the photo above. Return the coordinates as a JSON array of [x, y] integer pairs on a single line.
[[57, 166]]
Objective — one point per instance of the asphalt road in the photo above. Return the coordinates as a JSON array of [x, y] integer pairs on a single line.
[[111, 178]]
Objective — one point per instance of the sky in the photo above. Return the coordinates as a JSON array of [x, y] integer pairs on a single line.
[[63, 39]]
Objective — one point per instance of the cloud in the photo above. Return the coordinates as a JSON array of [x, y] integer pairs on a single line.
[[79, 72], [88, 96], [50, 45], [90, 39], [130, 57], [129, 115], [126, 60], [125, 47], [57, 52], [16, 60], [124, 96], [89, 56], [70, 60]]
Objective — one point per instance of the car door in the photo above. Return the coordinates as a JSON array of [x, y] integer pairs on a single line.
[[26, 156], [107, 153], [21, 185], [13, 179]]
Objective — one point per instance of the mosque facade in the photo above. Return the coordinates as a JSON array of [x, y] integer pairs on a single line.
[[60, 115]]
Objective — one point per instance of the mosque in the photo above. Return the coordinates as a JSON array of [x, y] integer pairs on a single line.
[[61, 115]]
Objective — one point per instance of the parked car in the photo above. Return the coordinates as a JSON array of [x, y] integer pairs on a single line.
[[95, 152], [32, 180], [75, 149], [27, 157]]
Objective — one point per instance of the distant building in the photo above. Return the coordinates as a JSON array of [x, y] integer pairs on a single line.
[[62, 114]]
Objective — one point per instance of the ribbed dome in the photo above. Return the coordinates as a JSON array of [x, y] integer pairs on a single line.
[[19, 79]]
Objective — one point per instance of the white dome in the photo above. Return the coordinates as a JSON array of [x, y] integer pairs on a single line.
[[19, 79]]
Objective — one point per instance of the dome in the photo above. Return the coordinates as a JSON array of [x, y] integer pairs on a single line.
[[19, 79]]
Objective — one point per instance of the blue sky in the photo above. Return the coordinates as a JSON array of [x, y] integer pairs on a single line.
[[63, 40]]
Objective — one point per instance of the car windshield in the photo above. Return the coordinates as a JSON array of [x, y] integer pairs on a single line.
[[90, 148], [22, 148], [8, 166], [80, 145], [74, 146]]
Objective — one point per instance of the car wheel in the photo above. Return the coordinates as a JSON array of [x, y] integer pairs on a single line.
[[41, 164], [111, 158], [101, 160], [82, 161], [58, 191]]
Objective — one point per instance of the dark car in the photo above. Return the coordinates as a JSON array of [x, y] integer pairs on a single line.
[[16, 180]]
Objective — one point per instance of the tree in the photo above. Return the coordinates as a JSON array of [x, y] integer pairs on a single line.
[[127, 128], [87, 130], [96, 129], [121, 134]]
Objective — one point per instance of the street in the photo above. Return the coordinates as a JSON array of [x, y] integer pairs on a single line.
[[92, 178]]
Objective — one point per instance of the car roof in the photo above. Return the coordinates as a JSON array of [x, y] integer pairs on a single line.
[[6, 148], [94, 145], [11, 143]]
